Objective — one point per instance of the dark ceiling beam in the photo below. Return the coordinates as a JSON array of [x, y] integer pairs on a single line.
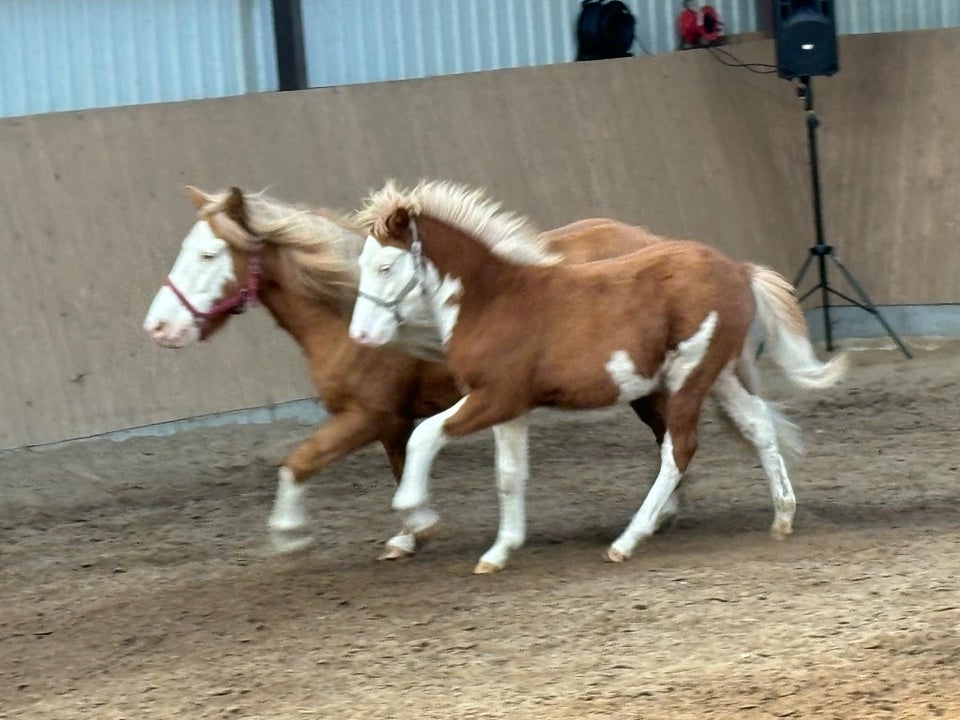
[[288, 34]]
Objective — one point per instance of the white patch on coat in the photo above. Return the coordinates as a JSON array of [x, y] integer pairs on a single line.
[[201, 270], [445, 298], [631, 384], [690, 353]]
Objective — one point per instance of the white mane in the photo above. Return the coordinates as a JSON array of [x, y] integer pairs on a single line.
[[507, 234]]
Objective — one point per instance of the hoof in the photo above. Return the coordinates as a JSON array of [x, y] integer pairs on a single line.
[[486, 568], [613, 555], [286, 523], [425, 536], [392, 552], [778, 533], [284, 544]]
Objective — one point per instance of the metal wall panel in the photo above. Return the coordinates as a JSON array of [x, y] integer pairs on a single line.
[[377, 40], [870, 16], [74, 54]]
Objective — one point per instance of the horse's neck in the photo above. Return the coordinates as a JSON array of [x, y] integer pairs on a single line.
[[454, 255], [319, 325]]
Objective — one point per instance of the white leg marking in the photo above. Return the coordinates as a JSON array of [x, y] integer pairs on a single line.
[[624, 373], [427, 439], [413, 493], [644, 523], [756, 422], [689, 353], [288, 511], [513, 469], [671, 509], [416, 530]]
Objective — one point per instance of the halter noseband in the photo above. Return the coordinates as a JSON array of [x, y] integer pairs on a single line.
[[246, 296], [419, 275]]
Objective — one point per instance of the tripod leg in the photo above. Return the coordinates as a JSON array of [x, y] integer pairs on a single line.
[[825, 299], [869, 306], [803, 271]]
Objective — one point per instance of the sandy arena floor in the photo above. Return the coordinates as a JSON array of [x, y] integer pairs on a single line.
[[135, 582]]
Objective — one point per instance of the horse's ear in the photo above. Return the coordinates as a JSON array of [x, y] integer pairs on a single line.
[[398, 222], [234, 205], [198, 198]]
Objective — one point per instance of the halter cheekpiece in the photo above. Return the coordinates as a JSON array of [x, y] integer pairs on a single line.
[[418, 278], [246, 296]]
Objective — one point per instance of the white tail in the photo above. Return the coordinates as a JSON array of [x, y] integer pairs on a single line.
[[785, 331]]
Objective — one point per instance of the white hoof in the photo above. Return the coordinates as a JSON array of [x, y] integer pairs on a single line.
[[486, 568], [392, 552], [611, 554], [782, 528], [399, 546], [284, 544], [289, 520]]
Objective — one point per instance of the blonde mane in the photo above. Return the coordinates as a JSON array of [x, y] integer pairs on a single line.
[[318, 247], [507, 234]]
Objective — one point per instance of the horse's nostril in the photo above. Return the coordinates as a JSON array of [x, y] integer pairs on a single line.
[[158, 331]]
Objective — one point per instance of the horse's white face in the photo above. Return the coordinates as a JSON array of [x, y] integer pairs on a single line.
[[201, 271], [386, 295]]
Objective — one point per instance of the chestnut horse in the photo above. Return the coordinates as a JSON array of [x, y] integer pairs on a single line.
[[520, 330], [302, 266]]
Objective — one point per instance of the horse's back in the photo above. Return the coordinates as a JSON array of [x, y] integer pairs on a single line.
[[671, 284], [595, 239]]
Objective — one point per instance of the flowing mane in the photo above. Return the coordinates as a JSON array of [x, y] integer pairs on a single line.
[[318, 247], [507, 234]]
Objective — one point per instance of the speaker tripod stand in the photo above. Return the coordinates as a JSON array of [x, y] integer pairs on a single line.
[[823, 252]]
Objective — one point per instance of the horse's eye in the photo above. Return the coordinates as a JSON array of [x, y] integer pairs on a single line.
[[207, 256], [384, 269]]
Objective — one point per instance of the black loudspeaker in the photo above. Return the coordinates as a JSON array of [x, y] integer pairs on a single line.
[[806, 38]]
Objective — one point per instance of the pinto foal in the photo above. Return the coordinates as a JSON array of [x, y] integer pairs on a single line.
[[301, 265], [520, 331]]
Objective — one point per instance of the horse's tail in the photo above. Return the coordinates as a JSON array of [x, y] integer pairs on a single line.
[[785, 331]]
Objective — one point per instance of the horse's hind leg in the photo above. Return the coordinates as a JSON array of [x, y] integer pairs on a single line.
[[679, 445], [652, 411], [757, 423], [339, 435]]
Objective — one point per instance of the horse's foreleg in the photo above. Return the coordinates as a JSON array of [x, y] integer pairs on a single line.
[[341, 434], [405, 542], [394, 440], [413, 491], [513, 469], [425, 442]]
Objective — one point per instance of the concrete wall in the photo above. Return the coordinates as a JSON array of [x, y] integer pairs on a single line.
[[93, 209]]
